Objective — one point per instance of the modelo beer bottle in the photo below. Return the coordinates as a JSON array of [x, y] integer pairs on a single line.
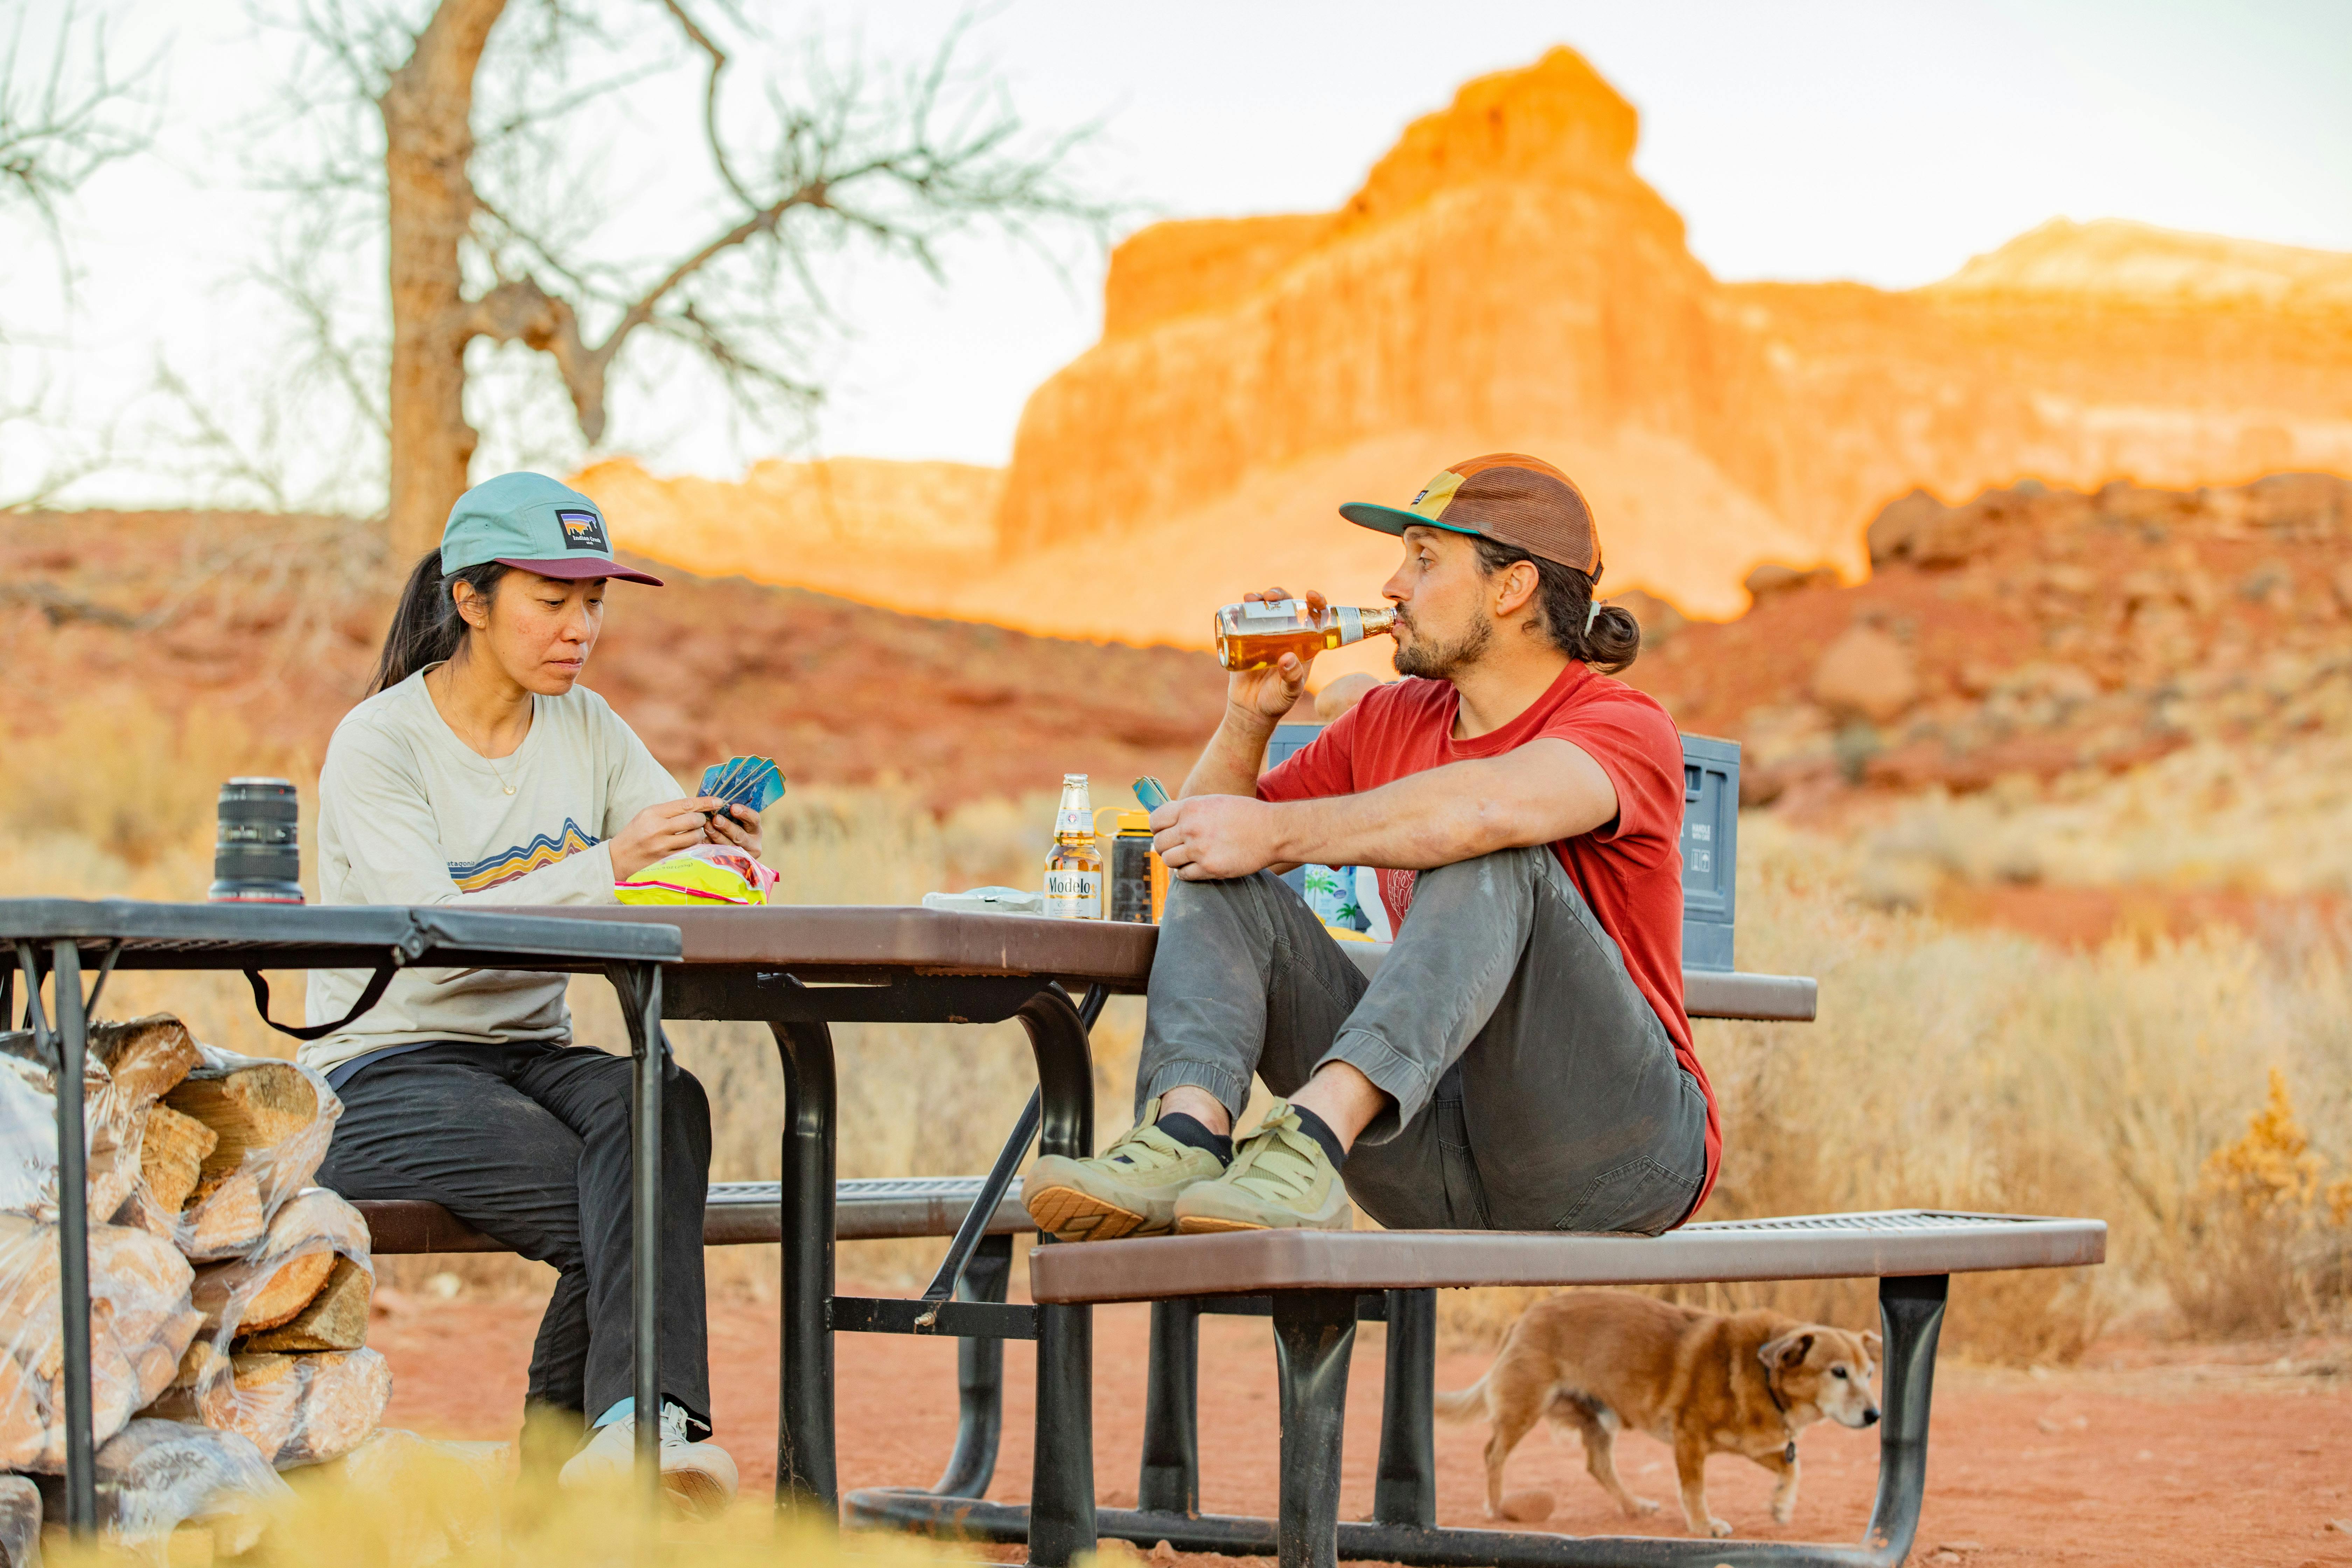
[[1074, 871], [1255, 634]]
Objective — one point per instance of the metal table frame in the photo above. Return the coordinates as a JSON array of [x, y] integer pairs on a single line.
[[55, 939]]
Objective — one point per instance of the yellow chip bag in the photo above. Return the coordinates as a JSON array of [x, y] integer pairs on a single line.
[[706, 873]]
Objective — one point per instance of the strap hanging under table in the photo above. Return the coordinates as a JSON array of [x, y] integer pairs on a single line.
[[370, 995]]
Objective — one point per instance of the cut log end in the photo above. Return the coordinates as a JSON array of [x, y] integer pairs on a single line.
[[171, 1157], [335, 1319], [286, 1292], [250, 1107]]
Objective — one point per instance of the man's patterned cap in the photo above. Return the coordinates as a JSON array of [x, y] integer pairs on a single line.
[[1507, 496]]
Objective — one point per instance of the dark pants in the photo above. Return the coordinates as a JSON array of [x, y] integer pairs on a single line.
[[530, 1145], [1535, 1087]]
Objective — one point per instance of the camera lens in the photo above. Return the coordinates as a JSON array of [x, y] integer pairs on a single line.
[[257, 852]]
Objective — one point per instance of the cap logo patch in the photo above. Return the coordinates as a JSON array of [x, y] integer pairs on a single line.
[[583, 531], [1431, 502]]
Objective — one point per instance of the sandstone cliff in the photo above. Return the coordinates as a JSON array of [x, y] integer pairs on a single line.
[[1505, 281]]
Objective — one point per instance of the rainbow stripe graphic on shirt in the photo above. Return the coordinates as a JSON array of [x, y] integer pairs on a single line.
[[520, 860]]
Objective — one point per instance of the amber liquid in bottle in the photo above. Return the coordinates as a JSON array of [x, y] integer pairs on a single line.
[[1073, 869], [1254, 636]]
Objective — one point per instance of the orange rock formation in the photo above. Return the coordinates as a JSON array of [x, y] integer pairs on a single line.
[[1503, 280]]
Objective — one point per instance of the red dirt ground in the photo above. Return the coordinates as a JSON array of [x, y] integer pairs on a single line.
[[2143, 1454]]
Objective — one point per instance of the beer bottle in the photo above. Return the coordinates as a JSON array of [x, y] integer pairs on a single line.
[[1255, 634], [1074, 870]]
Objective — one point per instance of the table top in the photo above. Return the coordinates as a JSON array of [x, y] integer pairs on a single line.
[[847, 942], [854, 942], [342, 936]]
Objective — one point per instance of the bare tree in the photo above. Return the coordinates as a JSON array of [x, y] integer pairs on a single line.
[[63, 120], [64, 115], [894, 163]]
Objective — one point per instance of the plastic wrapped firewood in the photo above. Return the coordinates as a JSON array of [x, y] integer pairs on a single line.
[[271, 1122], [20, 1523], [336, 1319], [290, 1267], [171, 1491], [303, 1409], [127, 1066], [142, 1322]]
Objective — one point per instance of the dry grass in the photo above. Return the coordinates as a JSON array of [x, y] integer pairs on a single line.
[[1978, 1071], [1948, 1067]]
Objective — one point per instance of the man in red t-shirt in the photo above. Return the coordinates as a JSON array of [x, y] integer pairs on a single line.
[[1521, 1060]]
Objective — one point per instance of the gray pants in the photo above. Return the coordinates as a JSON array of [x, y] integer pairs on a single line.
[[1535, 1087], [529, 1143]]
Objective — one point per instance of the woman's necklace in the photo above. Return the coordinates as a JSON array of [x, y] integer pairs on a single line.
[[505, 783]]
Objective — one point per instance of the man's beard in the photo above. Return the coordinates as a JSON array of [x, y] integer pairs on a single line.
[[1444, 661]]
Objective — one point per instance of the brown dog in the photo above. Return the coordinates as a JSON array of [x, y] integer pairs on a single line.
[[1599, 1360]]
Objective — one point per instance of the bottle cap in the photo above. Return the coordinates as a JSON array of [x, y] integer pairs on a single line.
[[1135, 822]]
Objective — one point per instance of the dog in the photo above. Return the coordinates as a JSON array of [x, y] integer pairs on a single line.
[[1602, 1360]]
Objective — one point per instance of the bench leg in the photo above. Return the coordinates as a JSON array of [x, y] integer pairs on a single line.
[[1062, 1485], [805, 1479], [1405, 1489], [980, 1378], [1911, 1311], [1171, 1478], [1314, 1333]]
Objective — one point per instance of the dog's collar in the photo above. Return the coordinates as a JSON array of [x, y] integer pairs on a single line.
[[1788, 1454]]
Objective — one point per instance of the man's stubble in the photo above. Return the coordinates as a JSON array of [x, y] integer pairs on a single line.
[[1443, 661]]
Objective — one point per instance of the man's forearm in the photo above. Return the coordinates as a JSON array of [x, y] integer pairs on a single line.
[[1545, 791], [1229, 764]]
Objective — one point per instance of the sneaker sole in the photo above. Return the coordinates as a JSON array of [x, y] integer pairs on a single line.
[[704, 1497], [1074, 1215], [1209, 1224]]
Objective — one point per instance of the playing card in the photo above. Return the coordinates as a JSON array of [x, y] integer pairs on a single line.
[[750, 782]]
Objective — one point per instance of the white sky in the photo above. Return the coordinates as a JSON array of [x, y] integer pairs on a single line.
[[1881, 142]]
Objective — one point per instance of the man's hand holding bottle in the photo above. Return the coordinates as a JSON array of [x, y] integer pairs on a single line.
[[1271, 690]]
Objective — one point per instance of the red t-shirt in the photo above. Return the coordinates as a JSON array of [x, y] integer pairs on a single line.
[[1630, 871]]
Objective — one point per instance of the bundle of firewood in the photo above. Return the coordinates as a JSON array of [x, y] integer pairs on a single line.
[[141, 1325], [197, 1156]]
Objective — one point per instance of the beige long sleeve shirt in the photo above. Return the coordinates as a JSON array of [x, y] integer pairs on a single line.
[[408, 813]]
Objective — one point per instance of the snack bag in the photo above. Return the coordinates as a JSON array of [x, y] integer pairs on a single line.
[[704, 874]]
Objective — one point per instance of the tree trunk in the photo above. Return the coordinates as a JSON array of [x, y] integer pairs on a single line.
[[429, 139]]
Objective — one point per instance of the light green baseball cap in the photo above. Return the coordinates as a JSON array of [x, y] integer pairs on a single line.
[[531, 522]]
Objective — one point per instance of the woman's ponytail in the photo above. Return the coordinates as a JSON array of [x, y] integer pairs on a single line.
[[426, 628]]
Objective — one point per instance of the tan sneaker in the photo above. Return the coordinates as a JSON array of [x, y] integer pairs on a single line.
[[1280, 1180], [1128, 1189]]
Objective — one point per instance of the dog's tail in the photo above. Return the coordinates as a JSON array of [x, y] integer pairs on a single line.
[[1464, 1404]]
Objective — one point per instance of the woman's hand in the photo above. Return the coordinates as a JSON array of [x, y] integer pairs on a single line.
[[1273, 692], [739, 825], [660, 830]]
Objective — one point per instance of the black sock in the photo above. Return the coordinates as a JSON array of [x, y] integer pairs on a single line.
[[1315, 1127], [1191, 1130]]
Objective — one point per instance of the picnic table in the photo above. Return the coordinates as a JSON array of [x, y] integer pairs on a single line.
[[801, 969], [798, 970], [60, 940]]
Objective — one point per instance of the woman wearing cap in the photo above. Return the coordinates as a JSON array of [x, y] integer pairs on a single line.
[[480, 771]]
